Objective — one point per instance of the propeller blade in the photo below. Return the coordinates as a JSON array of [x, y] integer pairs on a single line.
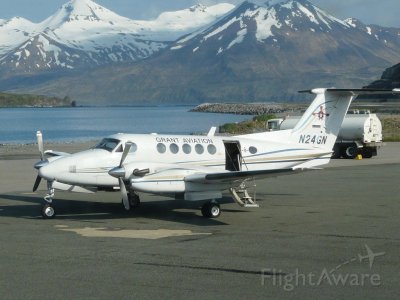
[[39, 137], [37, 182], [124, 194], [125, 153]]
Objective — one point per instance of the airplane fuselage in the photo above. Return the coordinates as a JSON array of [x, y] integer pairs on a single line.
[[170, 158]]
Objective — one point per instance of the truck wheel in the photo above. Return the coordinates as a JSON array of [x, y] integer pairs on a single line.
[[336, 152], [351, 151], [367, 152]]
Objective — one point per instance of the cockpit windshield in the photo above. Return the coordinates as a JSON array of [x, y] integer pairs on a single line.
[[108, 144]]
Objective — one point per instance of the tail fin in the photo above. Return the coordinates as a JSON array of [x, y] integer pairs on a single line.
[[320, 124]]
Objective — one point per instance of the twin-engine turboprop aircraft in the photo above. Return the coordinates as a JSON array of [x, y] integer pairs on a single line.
[[198, 168]]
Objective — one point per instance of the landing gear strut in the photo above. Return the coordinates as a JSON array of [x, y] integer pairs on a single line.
[[48, 211], [211, 209]]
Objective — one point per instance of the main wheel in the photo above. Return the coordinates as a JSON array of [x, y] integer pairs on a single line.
[[211, 210], [48, 211], [134, 200]]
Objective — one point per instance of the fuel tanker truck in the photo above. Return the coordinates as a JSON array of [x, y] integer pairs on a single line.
[[359, 134]]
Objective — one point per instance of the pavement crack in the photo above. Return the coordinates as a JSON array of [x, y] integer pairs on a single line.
[[228, 270]]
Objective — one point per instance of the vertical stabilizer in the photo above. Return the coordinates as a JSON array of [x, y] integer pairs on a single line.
[[320, 124]]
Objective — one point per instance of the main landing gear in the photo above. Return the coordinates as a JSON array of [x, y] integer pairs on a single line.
[[211, 209], [48, 211], [134, 201]]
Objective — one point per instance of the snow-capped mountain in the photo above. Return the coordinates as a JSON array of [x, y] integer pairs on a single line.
[[84, 34], [251, 53], [287, 46], [279, 23]]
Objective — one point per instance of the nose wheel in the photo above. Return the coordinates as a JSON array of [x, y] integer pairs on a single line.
[[48, 211]]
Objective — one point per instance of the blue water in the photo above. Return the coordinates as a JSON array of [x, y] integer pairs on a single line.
[[19, 125]]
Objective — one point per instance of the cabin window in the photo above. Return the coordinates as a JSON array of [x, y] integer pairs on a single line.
[[253, 150], [186, 148], [174, 148], [133, 148], [211, 149], [199, 149], [161, 148]]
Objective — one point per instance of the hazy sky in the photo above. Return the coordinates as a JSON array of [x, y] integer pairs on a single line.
[[382, 12]]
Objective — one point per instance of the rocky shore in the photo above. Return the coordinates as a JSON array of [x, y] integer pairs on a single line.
[[248, 108]]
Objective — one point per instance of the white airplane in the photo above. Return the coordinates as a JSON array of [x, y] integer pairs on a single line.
[[198, 168]]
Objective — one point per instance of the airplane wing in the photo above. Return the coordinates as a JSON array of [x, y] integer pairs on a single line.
[[232, 176]]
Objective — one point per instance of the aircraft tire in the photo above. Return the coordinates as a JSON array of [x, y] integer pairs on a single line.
[[134, 200], [48, 211], [211, 210]]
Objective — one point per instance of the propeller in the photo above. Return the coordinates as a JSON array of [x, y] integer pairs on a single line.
[[42, 161], [119, 172], [37, 182], [39, 138]]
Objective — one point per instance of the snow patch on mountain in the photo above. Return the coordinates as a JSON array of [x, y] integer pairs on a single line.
[[352, 22], [265, 20], [239, 38], [169, 26]]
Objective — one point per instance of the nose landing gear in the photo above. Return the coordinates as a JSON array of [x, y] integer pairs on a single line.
[[48, 211]]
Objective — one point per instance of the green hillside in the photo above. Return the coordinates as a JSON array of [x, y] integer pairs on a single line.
[[25, 100]]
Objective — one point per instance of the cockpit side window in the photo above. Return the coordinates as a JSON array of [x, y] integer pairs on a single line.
[[108, 144], [119, 148]]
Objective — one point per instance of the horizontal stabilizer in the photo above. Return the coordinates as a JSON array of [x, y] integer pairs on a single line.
[[352, 92]]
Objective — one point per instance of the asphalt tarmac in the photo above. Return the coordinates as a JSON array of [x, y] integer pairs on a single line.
[[308, 240]]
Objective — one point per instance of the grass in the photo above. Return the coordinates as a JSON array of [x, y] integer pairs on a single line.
[[257, 124], [390, 128], [24, 100]]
